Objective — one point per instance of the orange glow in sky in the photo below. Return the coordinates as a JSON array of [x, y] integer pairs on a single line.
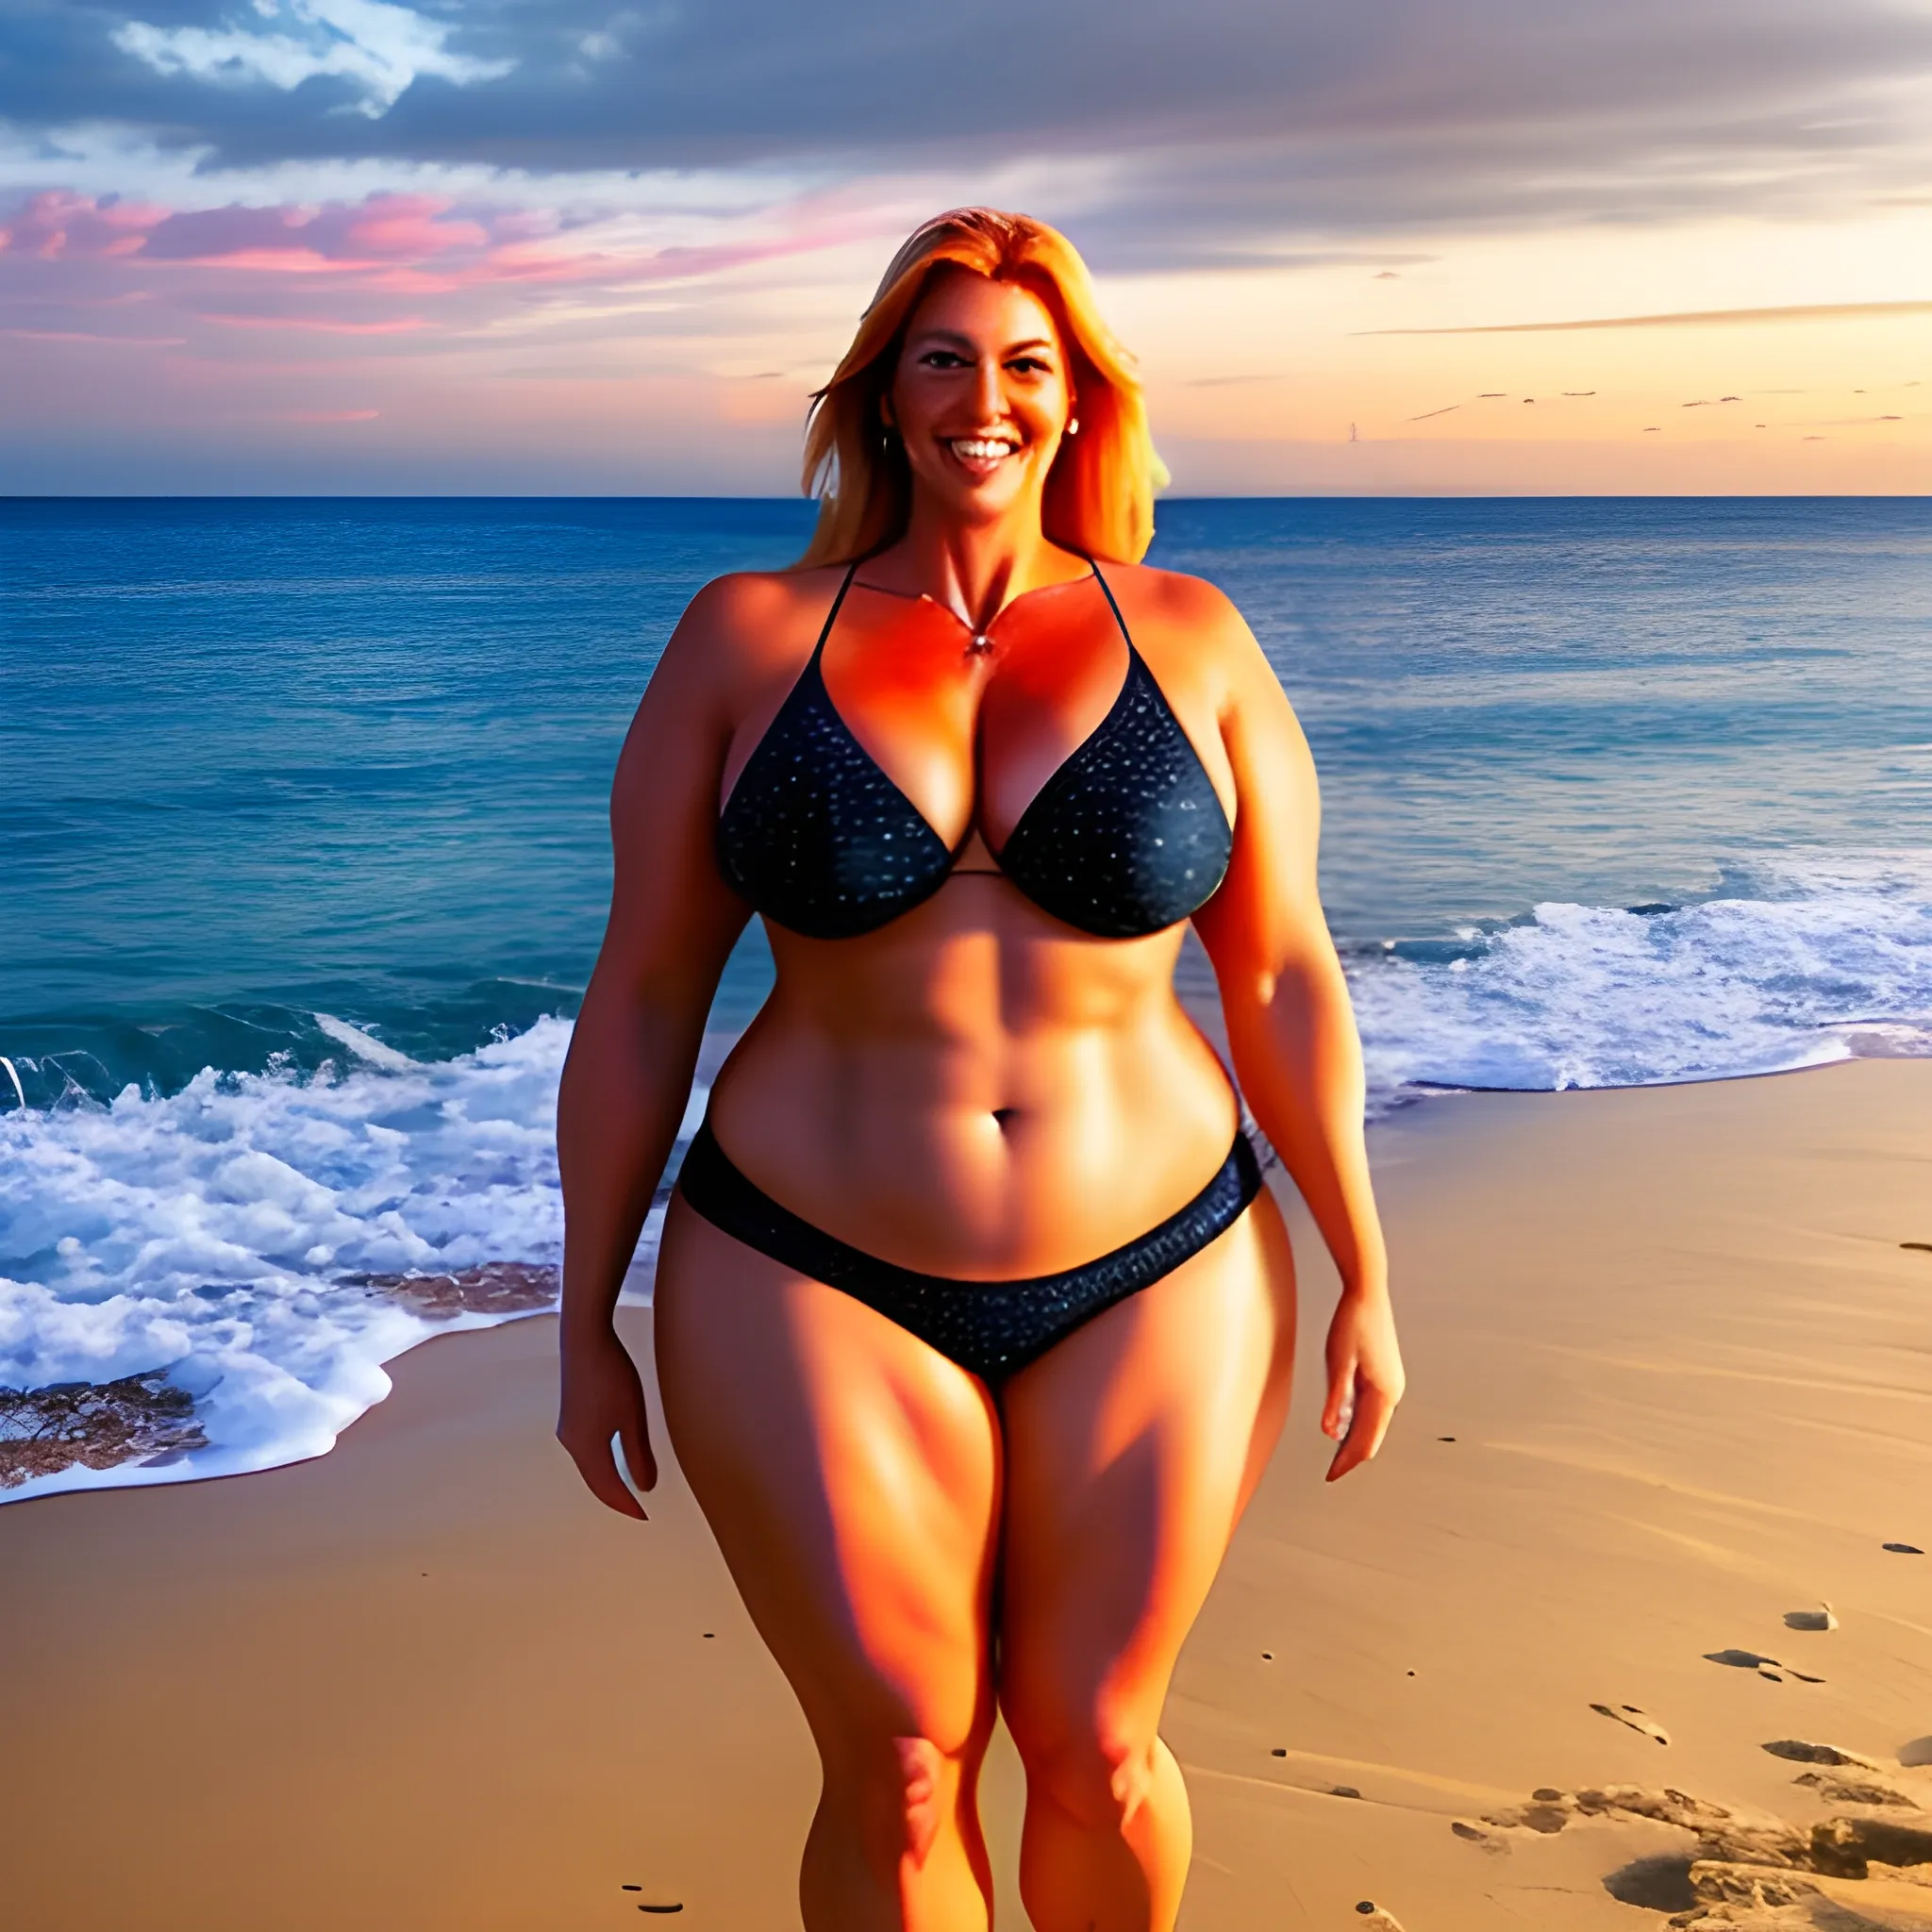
[[1434, 280]]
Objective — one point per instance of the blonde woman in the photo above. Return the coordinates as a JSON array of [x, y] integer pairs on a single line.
[[973, 1326]]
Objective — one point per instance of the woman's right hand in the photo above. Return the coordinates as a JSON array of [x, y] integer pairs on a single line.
[[603, 1399]]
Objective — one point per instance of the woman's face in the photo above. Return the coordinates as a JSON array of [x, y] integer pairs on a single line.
[[981, 396]]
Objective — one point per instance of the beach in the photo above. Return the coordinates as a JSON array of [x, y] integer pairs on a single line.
[[1669, 1386]]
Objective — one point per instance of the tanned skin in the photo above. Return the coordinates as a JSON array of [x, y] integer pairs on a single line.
[[980, 1092]]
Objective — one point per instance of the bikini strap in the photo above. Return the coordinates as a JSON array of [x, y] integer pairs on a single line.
[[818, 650], [1127, 635]]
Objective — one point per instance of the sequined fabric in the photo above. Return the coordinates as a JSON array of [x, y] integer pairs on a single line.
[[992, 1329], [1127, 838], [816, 836]]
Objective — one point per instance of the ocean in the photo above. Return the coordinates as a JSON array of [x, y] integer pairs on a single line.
[[304, 866]]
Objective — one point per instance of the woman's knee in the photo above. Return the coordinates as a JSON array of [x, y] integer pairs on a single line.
[[900, 1787], [1095, 1764]]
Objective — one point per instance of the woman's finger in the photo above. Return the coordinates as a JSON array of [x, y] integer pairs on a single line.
[[598, 1468], [1373, 1408], [608, 1487], [1336, 1413], [635, 1438]]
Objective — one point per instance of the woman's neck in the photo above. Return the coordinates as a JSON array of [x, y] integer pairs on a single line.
[[973, 569]]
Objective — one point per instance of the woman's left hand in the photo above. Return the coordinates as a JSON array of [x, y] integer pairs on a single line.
[[1365, 1378]]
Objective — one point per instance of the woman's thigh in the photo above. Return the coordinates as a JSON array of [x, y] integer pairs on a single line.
[[1132, 1448], [852, 1478]]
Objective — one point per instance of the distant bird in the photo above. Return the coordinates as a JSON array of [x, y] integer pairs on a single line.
[[1579, 392], [1702, 403], [1760, 426], [1529, 399], [1427, 414], [1653, 428], [1493, 395], [1730, 399]]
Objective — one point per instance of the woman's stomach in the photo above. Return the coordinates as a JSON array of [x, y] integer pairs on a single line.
[[983, 1097]]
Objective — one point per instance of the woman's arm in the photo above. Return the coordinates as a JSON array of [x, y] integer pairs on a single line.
[[1291, 1031], [628, 1077]]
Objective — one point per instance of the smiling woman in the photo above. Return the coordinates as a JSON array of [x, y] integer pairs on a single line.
[[1098, 496], [973, 1324]]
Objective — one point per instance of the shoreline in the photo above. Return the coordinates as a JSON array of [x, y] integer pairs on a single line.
[[1670, 1333], [475, 1298]]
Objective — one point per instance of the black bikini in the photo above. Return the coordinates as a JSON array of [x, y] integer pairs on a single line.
[[1127, 838]]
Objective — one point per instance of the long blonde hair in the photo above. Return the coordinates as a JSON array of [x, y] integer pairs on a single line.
[[1099, 498]]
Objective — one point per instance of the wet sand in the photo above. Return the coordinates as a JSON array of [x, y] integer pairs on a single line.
[[1686, 1366]]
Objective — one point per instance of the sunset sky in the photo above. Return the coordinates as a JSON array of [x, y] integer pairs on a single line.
[[546, 245]]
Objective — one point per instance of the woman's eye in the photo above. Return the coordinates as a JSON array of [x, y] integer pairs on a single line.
[[942, 359], [1029, 365]]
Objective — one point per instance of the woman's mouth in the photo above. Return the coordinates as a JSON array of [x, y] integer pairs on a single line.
[[981, 455]]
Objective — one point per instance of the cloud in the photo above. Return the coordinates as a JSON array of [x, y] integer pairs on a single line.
[[376, 47], [1689, 318], [78, 335], [1225, 133], [400, 324]]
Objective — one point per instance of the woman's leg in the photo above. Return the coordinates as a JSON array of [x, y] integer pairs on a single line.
[[852, 1478], [1131, 1450]]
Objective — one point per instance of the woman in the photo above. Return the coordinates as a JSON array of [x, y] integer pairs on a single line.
[[974, 1327]]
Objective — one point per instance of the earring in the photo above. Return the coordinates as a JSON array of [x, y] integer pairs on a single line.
[[1073, 426]]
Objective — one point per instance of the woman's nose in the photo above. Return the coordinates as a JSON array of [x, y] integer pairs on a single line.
[[989, 392]]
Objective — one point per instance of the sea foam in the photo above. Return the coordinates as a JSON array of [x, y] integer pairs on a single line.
[[212, 1234], [246, 1237], [1803, 958]]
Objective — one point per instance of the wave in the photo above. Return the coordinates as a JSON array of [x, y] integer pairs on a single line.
[[1799, 960], [209, 1280], [263, 1243]]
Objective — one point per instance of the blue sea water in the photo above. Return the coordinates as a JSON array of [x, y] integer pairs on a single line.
[[304, 860]]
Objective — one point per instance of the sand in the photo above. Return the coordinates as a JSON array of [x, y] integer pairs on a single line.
[[1686, 1366]]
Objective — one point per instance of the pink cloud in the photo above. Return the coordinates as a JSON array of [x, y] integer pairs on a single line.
[[58, 224], [410, 225], [326, 416], [76, 335], [322, 324]]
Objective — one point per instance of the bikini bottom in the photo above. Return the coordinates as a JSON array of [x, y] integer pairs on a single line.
[[991, 1328]]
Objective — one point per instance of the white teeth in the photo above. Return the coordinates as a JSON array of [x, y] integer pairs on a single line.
[[981, 449]]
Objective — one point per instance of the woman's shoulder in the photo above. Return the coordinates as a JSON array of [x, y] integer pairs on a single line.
[[747, 626], [753, 609], [1181, 620], [1171, 597]]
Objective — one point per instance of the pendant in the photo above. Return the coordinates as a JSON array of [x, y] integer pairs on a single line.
[[980, 643]]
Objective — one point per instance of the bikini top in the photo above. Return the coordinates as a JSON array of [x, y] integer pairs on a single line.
[[1126, 838]]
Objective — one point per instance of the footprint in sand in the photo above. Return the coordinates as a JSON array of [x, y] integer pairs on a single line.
[[1769, 1668], [1640, 1721], [1801, 1750], [1822, 1618]]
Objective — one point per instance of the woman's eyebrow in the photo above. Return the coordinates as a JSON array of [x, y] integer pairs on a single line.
[[964, 341]]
